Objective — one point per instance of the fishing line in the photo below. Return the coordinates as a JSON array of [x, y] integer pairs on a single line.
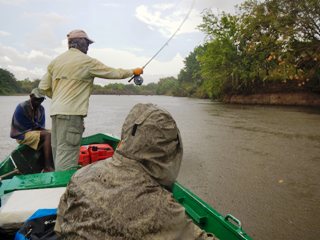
[[137, 78]]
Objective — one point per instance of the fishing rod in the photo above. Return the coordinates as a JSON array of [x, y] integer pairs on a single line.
[[138, 80]]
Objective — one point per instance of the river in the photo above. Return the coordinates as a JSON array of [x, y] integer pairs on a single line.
[[259, 163]]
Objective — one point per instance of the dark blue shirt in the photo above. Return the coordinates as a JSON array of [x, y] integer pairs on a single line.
[[26, 119]]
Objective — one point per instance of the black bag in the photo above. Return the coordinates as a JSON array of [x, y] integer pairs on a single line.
[[39, 226]]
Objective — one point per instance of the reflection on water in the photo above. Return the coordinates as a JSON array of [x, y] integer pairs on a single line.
[[259, 163]]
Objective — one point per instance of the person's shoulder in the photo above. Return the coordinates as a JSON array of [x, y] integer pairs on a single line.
[[42, 108], [56, 59], [21, 107], [91, 171], [67, 54], [80, 56], [24, 104], [95, 62]]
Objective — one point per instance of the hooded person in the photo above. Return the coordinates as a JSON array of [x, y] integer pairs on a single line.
[[128, 196]]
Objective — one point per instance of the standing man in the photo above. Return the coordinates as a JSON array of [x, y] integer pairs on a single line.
[[28, 127], [69, 82]]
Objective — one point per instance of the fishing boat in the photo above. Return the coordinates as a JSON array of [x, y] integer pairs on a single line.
[[24, 189]]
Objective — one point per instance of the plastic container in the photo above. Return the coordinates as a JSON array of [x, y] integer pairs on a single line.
[[84, 156], [100, 151]]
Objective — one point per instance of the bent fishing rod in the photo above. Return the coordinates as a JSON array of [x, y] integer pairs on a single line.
[[137, 79]]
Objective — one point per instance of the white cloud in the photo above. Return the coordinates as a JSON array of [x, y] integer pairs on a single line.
[[44, 35], [114, 5], [34, 36], [169, 68], [5, 59], [34, 54], [167, 22], [21, 72], [50, 17], [17, 68], [23, 65], [163, 6], [12, 2], [33, 64], [61, 48], [116, 58], [4, 34], [124, 59]]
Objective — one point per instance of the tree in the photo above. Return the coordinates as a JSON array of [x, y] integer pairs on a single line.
[[149, 89], [280, 40], [8, 83], [190, 76], [305, 39], [269, 43], [26, 85], [168, 86], [220, 63]]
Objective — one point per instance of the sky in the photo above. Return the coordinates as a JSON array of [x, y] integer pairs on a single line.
[[126, 34]]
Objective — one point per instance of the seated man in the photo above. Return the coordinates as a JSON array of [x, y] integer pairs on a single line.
[[28, 127], [128, 196]]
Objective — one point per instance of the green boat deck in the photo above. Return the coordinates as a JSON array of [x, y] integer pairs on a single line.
[[225, 228], [199, 211]]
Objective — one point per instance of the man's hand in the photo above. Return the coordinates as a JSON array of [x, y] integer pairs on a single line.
[[138, 71]]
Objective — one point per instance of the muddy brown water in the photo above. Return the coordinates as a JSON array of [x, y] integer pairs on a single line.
[[259, 163]]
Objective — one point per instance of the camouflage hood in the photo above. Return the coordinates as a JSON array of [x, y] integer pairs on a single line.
[[124, 197], [151, 137]]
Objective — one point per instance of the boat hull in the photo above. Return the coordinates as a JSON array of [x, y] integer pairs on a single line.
[[223, 227]]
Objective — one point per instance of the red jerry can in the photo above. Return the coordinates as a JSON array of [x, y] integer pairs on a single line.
[[84, 156], [100, 151]]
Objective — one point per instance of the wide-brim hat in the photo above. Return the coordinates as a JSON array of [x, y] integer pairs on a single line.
[[37, 93], [78, 33]]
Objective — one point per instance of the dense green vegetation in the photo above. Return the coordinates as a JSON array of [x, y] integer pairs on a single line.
[[166, 86], [268, 46], [8, 83], [10, 86]]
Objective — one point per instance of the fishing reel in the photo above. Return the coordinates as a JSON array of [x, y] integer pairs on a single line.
[[137, 79]]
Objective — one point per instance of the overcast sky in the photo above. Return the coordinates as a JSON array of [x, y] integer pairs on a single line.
[[126, 33]]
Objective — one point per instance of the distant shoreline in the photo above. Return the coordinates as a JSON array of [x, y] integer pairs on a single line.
[[288, 99], [306, 99]]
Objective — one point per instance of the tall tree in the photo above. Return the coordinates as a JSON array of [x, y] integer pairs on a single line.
[[220, 64], [190, 76], [269, 43], [281, 37]]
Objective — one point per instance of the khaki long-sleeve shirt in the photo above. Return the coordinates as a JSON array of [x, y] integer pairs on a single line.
[[69, 81]]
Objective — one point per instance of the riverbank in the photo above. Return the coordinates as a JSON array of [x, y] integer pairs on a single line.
[[288, 99]]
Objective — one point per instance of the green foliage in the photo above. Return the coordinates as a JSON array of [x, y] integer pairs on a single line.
[[8, 83], [26, 85], [168, 86], [190, 76], [282, 39], [125, 89], [220, 62], [270, 43]]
